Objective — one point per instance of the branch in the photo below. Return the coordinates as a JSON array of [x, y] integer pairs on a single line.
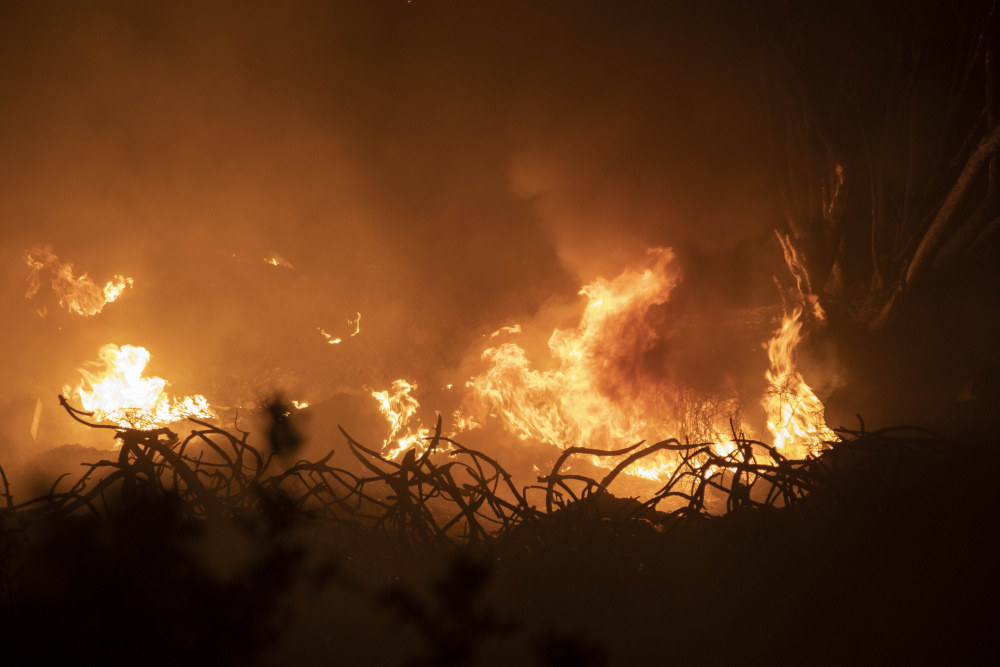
[[945, 219]]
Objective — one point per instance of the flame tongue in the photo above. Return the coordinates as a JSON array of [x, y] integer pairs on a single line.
[[795, 415], [602, 392], [118, 392], [399, 408], [76, 294]]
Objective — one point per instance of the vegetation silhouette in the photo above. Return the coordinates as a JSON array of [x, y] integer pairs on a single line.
[[208, 549]]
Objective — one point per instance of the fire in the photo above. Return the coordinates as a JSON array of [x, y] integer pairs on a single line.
[[601, 392], [399, 408], [77, 294], [329, 337], [278, 260], [606, 389], [795, 416], [117, 392], [352, 321]]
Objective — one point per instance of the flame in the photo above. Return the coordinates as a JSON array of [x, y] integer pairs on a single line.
[[76, 294], [399, 408], [352, 321], [463, 422], [329, 337], [118, 393], [606, 389], [277, 260], [795, 416], [603, 391]]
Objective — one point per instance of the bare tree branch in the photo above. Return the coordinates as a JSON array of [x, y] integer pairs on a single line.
[[945, 220]]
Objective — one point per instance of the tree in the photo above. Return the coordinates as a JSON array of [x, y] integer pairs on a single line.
[[888, 116]]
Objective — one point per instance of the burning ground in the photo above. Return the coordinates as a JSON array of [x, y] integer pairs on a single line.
[[479, 253]]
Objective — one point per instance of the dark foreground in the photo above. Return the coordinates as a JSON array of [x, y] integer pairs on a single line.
[[884, 549]]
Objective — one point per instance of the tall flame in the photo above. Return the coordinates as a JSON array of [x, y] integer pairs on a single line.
[[795, 416], [399, 408], [77, 294], [604, 389], [117, 392]]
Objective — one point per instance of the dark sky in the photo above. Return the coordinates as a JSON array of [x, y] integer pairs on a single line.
[[443, 168]]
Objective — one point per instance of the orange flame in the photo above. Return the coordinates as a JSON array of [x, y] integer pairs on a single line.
[[399, 408], [794, 414], [118, 393], [353, 321], [602, 392], [329, 337], [606, 390], [76, 294], [278, 260]]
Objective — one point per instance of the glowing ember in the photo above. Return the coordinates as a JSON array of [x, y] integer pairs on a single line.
[[399, 407], [77, 294], [118, 393], [794, 413]]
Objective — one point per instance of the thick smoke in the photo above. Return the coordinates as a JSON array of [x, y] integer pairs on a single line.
[[442, 168]]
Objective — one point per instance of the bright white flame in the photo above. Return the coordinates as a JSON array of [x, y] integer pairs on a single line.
[[116, 391]]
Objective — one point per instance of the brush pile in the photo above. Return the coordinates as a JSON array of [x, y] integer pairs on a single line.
[[209, 549]]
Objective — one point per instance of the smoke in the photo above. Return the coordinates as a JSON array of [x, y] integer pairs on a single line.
[[442, 168]]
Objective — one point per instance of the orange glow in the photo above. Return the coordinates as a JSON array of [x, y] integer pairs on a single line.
[[77, 294], [117, 392]]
